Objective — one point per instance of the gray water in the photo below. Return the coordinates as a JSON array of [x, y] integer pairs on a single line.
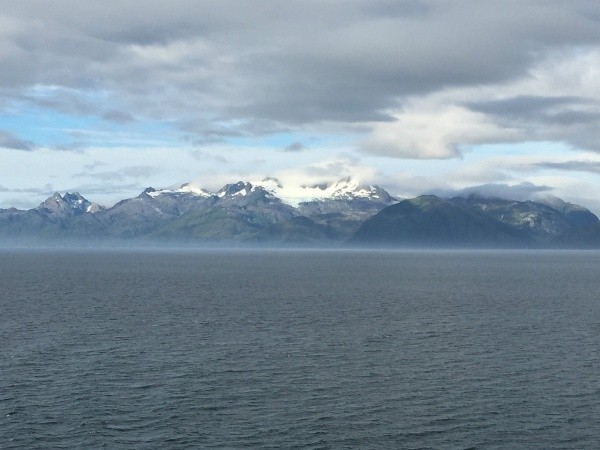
[[339, 349]]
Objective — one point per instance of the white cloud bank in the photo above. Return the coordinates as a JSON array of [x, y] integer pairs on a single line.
[[558, 100]]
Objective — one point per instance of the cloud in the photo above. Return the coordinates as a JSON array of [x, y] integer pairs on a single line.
[[130, 172], [31, 190], [104, 189], [262, 66], [558, 100], [520, 192], [525, 106], [94, 165], [12, 141], [327, 171], [432, 133], [200, 155], [295, 147], [571, 166], [131, 83], [120, 117]]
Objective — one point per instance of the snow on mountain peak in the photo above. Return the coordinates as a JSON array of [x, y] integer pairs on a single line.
[[189, 187], [347, 188], [186, 188], [342, 189]]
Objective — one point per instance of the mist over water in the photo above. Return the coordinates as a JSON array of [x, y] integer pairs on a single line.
[[306, 349]]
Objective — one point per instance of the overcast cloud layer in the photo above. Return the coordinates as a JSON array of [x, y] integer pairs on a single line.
[[402, 80]]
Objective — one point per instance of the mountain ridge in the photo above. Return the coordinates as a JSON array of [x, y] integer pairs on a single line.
[[474, 221], [345, 211], [240, 211]]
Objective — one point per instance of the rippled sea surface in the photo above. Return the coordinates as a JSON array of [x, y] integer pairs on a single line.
[[278, 349]]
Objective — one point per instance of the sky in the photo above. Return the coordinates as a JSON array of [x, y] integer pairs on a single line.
[[417, 96]]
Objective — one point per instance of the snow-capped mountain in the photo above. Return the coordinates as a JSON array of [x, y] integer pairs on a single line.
[[342, 205], [348, 189], [244, 193], [265, 210], [342, 189], [243, 210], [269, 211]]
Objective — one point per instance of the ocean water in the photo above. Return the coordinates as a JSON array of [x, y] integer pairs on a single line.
[[299, 349]]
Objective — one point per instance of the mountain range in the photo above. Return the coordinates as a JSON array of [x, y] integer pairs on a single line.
[[238, 212], [344, 212], [475, 221]]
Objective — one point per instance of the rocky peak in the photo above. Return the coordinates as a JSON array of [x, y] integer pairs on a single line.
[[68, 205], [240, 188]]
